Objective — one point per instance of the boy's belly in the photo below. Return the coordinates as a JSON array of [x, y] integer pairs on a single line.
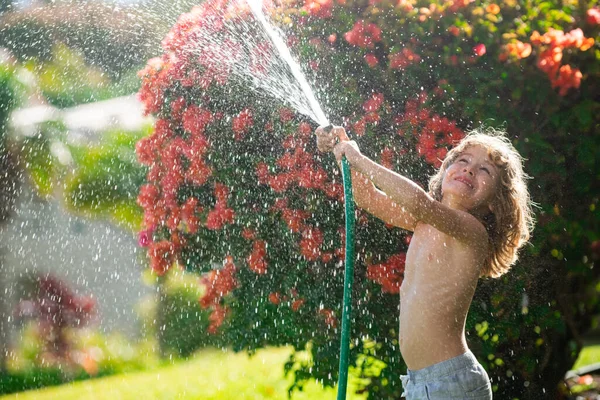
[[431, 328]]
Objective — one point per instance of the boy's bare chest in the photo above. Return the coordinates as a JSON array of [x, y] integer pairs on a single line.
[[429, 246], [433, 256]]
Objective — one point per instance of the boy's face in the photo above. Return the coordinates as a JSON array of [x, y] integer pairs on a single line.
[[471, 181]]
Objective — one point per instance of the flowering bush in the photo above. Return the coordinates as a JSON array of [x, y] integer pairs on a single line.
[[237, 192], [57, 310]]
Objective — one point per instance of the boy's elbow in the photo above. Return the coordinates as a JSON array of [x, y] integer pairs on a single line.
[[421, 207]]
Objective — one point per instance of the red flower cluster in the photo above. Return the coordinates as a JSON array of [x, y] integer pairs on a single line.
[[551, 45], [155, 79], [363, 35], [241, 123], [371, 60], [216, 318], [161, 256], [256, 259], [388, 274], [437, 133], [218, 283], [220, 214], [319, 8], [298, 166], [329, 317], [593, 16], [403, 58], [310, 244], [515, 50]]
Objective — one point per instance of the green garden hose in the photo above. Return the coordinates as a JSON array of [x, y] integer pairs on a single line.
[[348, 277], [348, 280]]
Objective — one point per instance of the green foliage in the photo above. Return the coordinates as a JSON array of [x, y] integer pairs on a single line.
[[9, 97], [105, 178], [93, 355], [66, 79], [175, 317], [42, 164]]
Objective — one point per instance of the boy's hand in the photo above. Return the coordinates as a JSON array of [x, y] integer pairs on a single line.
[[347, 148], [326, 141]]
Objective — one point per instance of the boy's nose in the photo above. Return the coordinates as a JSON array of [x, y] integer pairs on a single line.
[[468, 170]]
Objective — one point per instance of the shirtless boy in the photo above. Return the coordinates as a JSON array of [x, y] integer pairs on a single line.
[[471, 223]]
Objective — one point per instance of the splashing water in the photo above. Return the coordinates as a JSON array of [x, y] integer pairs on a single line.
[[254, 51], [284, 52]]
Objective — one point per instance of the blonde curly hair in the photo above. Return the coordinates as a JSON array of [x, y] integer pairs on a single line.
[[510, 224]]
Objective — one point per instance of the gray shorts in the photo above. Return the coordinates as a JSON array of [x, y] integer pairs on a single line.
[[460, 377]]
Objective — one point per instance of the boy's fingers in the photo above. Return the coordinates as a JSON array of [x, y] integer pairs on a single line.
[[341, 133]]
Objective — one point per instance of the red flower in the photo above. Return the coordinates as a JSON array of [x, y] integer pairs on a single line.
[[312, 239], [262, 172], [216, 318], [148, 197], [219, 216], [256, 259], [189, 211], [218, 283], [198, 172], [177, 108], [388, 274], [145, 237], [281, 182], [294, 219], [567, 78], [479, 49], [275, 298], [155, 79], [304, 129], [319, 8], [454, 30], [285, 114], [329, 317], [248, 233], [403, 59], [195, 119], [516, 50], [374, 102], [363, 35], [359, 127], [593, 16], [242, 123], [161, 256], [297, 304], [371, 60]]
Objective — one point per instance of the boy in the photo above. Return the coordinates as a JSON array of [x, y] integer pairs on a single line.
[[475, 217]]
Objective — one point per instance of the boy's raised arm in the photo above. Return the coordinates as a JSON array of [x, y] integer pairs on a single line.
[[366, 195], [413, 199]]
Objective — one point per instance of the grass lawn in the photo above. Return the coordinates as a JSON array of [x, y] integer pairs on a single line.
[[212, 375]]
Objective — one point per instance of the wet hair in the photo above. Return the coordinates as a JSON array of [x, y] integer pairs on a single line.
[[510, 224]]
